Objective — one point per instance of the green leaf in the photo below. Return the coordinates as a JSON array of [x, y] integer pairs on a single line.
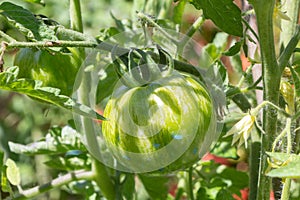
[[225, 14], [239, 180], [5, 186], [237, 67], [178, 11], [291, 170], [108, 79], [234, 49], [225, 150], [26, 22], [33, 88], [12, 172], [296, 79], [156, 186], [58, 140], [107, 33], [215, 176], [224, 195], [213, 51]]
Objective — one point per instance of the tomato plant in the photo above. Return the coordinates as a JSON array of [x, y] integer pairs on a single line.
[[169, 99]]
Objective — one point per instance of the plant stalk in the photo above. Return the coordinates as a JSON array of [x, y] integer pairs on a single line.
[[103, 180], [75, 16], [271, 80], [190, 183], [83, 95]]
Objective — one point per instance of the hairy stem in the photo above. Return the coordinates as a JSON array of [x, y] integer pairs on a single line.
[[287, 182], [286, 189], [271, 79], [289, 38], [59, 43]]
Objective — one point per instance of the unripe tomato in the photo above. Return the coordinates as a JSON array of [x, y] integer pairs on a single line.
[[54, 69], [160, 126]]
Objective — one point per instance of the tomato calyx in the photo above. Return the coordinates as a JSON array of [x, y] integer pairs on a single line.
[[138, 68]]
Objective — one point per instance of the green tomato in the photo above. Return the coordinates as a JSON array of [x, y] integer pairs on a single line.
[[161, 126], [54, 69]]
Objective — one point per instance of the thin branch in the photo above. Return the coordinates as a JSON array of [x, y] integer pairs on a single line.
[[149, 20], [191, 31], [55, 183], [77, 39], [58, 43]]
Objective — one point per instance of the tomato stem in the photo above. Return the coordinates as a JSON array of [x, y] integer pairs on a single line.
[[271, 79]]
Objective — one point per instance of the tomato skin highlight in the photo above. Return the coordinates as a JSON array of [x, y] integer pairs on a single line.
[[54, 69], [148, 119]]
